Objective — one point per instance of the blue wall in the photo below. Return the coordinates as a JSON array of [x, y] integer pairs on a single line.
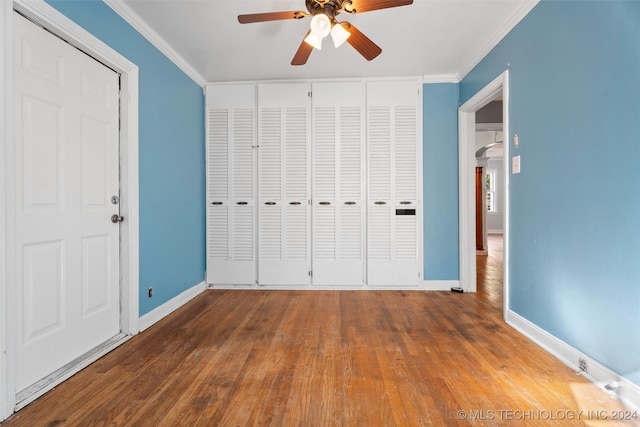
[[171, 156], [575, 208], [440, 175]]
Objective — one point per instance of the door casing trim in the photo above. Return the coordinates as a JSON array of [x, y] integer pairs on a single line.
[[466, 181]]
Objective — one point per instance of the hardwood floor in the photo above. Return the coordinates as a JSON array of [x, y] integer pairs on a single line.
[[325, 358]]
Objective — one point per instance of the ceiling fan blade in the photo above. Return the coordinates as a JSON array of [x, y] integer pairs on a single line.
[[304, 50], [368, 5], [361, 43], [270, 16]]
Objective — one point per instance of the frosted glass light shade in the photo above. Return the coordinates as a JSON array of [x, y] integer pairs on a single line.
[[314, 40], [339, 35], [320, 25]]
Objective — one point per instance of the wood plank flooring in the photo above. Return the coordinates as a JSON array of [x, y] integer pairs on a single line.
[[325, 358]]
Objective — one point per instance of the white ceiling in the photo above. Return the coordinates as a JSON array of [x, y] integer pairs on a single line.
[[439, 39]]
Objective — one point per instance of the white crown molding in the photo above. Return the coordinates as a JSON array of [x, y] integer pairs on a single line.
[[441, 78], [525, 7], [154, 38], [417, 79], [425, 79]]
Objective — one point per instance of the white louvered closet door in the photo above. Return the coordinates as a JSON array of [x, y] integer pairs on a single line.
[[231, 198], [394, 184], [338, 184], [283, 176]]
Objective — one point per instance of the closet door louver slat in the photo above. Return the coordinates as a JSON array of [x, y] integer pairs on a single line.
[[218, 154]]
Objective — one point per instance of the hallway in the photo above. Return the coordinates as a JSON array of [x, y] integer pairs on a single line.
[[490, 270]]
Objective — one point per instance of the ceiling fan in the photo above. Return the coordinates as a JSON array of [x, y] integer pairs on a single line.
[[323, 23]]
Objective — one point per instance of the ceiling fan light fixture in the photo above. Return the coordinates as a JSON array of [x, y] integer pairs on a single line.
[[320, 25], [314, 40], [323, 22], [339, 34]]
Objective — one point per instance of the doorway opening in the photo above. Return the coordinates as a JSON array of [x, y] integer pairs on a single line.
[[490, 207], [498, 89]]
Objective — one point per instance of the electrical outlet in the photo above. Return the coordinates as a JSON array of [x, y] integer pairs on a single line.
[[150, 292], [582, 365]]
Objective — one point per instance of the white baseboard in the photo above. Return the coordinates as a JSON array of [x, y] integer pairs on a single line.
[[439, 285], [170, 306], [426, 285], [626, 391]]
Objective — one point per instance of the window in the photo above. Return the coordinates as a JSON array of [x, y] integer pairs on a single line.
[[490, 187]]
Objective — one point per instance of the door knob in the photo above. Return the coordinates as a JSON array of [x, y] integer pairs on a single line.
[[115, 218]]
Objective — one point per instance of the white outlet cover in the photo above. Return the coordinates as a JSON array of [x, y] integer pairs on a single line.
[[515, 164]]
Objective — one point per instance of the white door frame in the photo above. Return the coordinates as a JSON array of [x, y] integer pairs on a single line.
[[57, 23], [466, 179]]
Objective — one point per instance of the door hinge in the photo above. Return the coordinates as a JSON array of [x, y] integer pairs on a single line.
[[310, 94], [310, 273]]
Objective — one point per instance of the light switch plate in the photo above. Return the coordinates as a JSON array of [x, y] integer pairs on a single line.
[[515, 164]]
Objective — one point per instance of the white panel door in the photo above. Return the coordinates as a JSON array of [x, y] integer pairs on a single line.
[[67, 257], [283, 180], [394, 184], [231, 163], [338, 184]]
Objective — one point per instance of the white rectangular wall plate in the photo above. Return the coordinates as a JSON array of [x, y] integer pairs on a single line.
[[515, 164]]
